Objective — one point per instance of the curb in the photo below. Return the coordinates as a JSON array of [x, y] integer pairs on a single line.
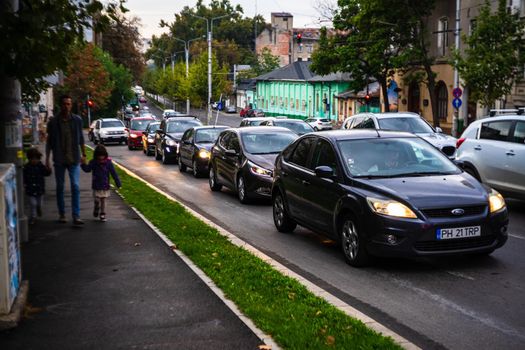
[[314, 289], [12, 319]]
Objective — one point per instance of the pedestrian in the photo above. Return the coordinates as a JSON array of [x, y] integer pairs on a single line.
[[34, 181], [66, 140], [101, 168]]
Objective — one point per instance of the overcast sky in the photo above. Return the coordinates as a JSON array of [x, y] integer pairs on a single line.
[[152, 11]]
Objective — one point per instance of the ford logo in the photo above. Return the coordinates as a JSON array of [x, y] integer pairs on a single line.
[[457, 212]]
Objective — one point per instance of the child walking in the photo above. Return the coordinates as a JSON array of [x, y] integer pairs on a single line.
[[101, 168], [34, 182]]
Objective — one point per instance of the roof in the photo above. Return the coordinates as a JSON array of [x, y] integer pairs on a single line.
[[353, 134], [295, 71], [339, 76], [246, 84], [281, 14]]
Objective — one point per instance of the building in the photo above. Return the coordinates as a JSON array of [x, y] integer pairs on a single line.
[[245, 93], [281, 38], [296, 92]]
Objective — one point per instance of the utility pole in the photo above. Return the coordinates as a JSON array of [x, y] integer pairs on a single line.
[[455, 118], [187, 57]]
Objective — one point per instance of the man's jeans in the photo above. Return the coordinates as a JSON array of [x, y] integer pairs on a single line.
[[74, 178]]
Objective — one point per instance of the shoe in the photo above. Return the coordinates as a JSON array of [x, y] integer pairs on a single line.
[[95, 211], [78, 222], [39, 211], [103, 217], [62, 219]]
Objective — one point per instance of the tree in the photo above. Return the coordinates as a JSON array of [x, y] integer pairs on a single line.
[[123, 41], [198, 80], [495, 55], [262, 63]]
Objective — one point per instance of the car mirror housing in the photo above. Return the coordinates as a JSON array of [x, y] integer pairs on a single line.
[[324, 172], [439, 130]]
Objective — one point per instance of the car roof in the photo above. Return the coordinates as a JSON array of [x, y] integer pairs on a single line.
[[391, 115], [204, 127], [110, 119], [182, 117], [261, 130], [143, 118], [353, 134], [499, 117]]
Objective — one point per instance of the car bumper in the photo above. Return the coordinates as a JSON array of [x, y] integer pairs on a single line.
[[419, 238], [137, 142], [115, 138], [170, 152], [258, 185]]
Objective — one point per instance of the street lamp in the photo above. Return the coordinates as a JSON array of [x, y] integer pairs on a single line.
[[187, 54], [209, 30]]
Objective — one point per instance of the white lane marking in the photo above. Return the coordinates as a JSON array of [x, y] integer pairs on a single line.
[[516, 236], [460, 275], [314, 289]]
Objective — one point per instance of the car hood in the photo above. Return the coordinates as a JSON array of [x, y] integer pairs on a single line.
[[136, 132], [438, 140], [175, 135], [432, 191], [266, 161], [206, 146]]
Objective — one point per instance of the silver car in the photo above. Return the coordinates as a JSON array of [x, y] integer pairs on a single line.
[[319, 124], [493, 151], [404, 121]]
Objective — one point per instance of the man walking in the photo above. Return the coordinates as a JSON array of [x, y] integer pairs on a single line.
[[66, 140]]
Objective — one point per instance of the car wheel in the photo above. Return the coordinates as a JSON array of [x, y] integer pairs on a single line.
[[281, 219], [195, 169], [165, 159], [157, 154], [182, 166], [212, 179], [129, 147], [472, 171], [241, 190], [352, 243]]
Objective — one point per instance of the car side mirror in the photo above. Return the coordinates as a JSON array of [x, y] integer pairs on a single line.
[[231, 152], [439, 130], [324, 172]]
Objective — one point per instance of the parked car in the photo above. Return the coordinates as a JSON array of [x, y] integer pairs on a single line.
[[255, 113], [231, 109], [142, 99], [385, 193], [148, 138], [242, 159], [109, 130], [135, 129], [168, 113], [167, 137], [254, 121], [493, 151], [296, 125], [243, 111], [91, 130], [195, 146], [319, 124], [405, 121]]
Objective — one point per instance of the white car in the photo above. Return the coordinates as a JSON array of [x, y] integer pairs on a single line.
[[493, 151], [109, 130], [319, 124]]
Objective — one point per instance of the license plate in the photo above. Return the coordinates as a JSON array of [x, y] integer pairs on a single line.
[[458, 232]]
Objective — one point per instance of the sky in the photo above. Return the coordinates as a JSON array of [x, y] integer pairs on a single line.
[[152, 11]]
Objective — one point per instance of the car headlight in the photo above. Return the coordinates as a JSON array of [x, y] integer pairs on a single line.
[[390, 208], [103, 132], [171, 142], [257, 170], [151, 139], [204, 153], [496, 201], [133, 136]]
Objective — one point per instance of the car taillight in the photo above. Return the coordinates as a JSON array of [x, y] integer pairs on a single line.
[[460, 141]]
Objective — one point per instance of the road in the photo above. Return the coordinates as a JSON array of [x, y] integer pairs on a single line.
[[457, 303]]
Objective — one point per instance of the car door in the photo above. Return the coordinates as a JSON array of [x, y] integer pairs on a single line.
[[490, 152], [219, 156], [515, 159], [159, 136], [321, 208], [186, 146], [232, 160], [294, 171]]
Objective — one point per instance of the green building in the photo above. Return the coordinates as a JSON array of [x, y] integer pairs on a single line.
[[296, 92]]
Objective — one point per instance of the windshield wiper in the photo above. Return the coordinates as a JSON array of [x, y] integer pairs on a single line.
[[265, 153], [423, 173]]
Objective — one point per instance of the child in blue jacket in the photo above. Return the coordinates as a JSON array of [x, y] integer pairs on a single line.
[[101, 168], [34, 182]]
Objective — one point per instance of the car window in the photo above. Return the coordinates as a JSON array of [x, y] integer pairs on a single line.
[[187, 135], [409, 124], [471, 133], [224, 140], [152, 127], [519, 133], [354, 121], [302, 151], [497, 130], [207, 135], [299, 128], [324, 155], [139, 125], [267, 142], [112, 124], [181, 125], [366, 123], [233, 143]]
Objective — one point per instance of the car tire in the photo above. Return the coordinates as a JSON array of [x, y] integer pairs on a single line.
[[353, 243], [157, 154], [281, 219], [182, 166], [212, 180], [241, 190], [195, 169], [129, 147], [165, 159]]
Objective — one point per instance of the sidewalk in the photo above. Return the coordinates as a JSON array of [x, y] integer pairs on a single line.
[[115, 285]]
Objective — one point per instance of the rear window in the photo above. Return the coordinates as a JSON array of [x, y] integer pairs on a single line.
[[112, 124], [497, 130], [325, 120]]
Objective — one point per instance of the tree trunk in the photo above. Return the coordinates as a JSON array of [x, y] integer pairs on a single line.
[[384, 91], [431, 85]]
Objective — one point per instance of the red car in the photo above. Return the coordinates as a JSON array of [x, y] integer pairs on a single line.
[[243, 112], [136, 127]]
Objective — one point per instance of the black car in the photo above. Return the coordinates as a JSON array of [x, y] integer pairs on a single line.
[[242, 159], [167, 137], [296, 125], [195, 146], [385, 193], [148, 138]]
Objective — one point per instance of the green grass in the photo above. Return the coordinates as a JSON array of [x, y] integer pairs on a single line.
[[278, 305]]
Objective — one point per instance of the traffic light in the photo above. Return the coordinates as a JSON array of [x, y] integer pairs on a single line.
[[90, 103], [299, 38], [367, 99]]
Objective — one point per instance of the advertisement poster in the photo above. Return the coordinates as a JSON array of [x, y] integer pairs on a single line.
[[393, 95], [13, 254]]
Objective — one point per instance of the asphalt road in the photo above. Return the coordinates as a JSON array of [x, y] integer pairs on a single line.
[[457, 303]]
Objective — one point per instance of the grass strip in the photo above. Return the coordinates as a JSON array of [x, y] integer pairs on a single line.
[[278, 305]]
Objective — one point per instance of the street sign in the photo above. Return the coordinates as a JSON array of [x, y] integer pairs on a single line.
[[457, 103], [219, 106], [457, 92]]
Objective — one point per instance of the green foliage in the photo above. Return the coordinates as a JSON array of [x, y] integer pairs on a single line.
[[198, 80], [37, 41], [495, 54], [262, 63]]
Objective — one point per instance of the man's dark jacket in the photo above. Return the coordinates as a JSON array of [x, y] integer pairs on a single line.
[[54, 142]]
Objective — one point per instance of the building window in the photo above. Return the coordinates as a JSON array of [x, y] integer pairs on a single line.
[[286, 102], [303, 106], [442, 100], [309, 48], [297, 104], [472, 26], [442, 36]]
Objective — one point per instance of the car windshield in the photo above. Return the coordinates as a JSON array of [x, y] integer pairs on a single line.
[[255, 122], [394, 157], [181, 125], [266, 143], [153, 127], [112, 124], [410, 124], [139, 125], [207, 135], [298, 127]]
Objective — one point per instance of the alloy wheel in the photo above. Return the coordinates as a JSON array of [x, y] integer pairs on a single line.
[[350, 240], [195, 169], [278, 210], [241, 190]]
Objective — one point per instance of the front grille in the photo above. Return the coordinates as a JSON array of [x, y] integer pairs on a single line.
[[448, 150], [447, 212], [455, 244], [115, 132]]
